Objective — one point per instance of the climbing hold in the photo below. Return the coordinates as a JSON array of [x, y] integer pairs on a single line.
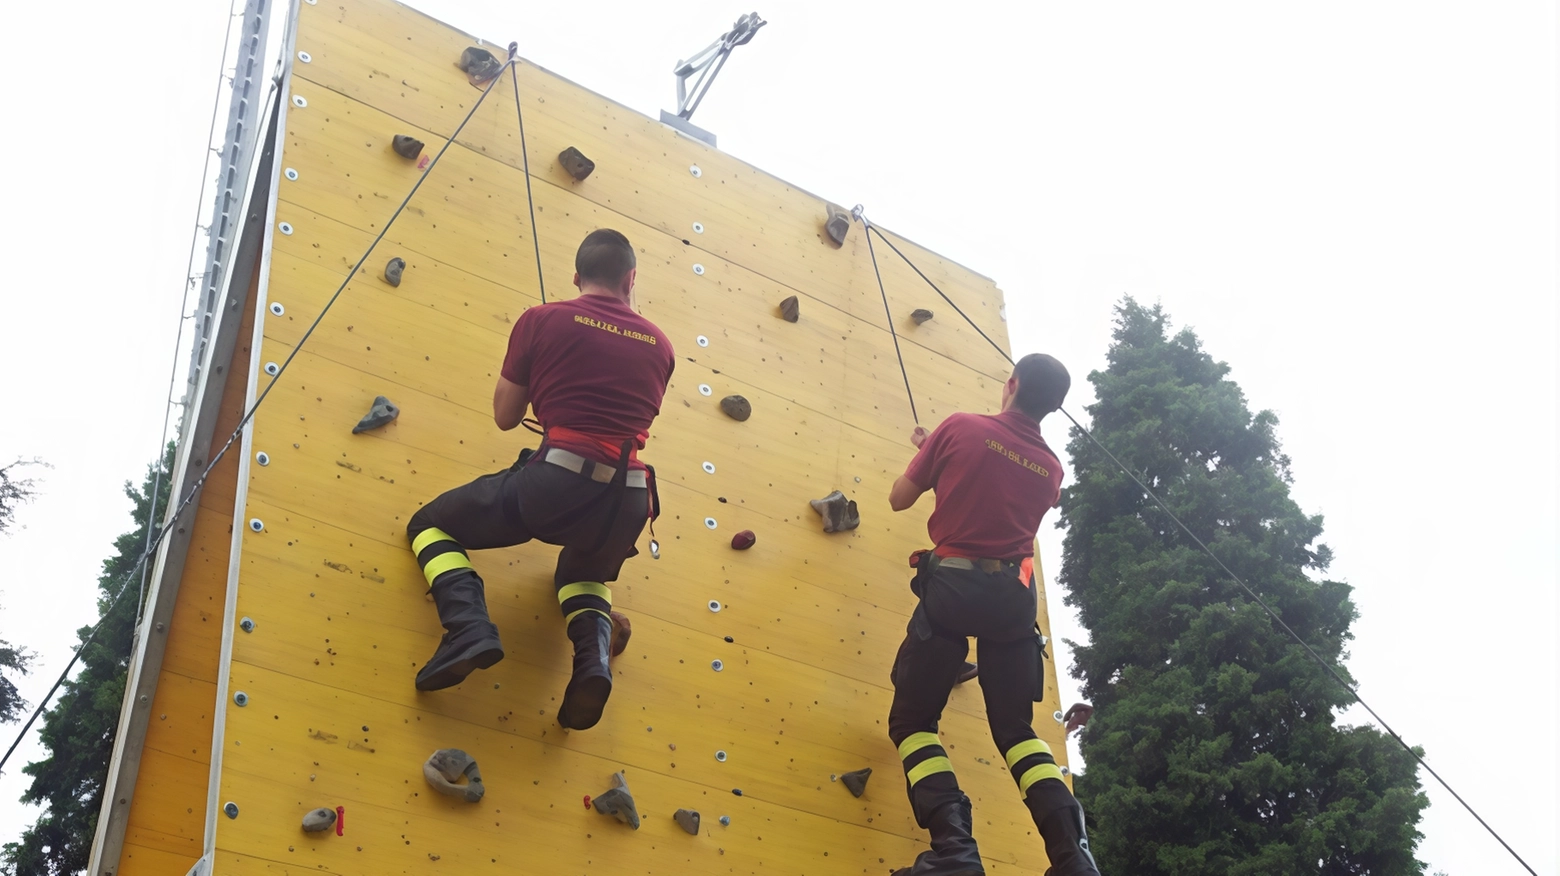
[[920, 315], [688, 820], [736, 407], [730, 639], [393, 271], [383, 411], [725, 821], [856, 781], [575, 163], [790, 309], [447, 765], [318, 820], [737, 791], [621, 630], [743, 540], [479, 65], [967, 672], [838, 512], [341, 820], [618, 802], [838, 224], [407, 147]]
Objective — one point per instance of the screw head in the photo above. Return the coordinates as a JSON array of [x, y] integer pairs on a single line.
[[273, 369], [694, 169], [703, 341], [704, 389], [284, 227], [709, 467], [698, 269], [277, 308], [717, 665], [305, 57], [247, 625], [240, 699], [709, 523], [698, 228], [256, 524], [1057, 715], [714, 605], [291, 174], [230, 809], [263, 458], [720, 756], [299, 101]]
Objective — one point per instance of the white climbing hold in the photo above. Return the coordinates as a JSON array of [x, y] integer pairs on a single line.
[[714, 605], [694, 169], [704, 389], [698, 269], [709, 523], [709, 467]]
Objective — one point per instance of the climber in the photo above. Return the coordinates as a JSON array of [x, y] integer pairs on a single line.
[[994, 479], [595, 372]]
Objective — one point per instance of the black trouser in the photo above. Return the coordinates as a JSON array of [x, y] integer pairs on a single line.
[[998, 609], [540, 501]]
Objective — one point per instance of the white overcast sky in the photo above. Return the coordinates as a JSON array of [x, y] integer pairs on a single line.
[[1352, 202]]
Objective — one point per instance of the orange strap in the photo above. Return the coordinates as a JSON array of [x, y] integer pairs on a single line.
[[613, 448]]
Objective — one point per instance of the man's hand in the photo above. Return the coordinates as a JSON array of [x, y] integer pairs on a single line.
[[918, 437]]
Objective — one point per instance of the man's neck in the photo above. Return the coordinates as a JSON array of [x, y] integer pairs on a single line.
[[603, 292]]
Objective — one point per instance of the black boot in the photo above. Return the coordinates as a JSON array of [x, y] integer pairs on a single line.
[[591, 683], [953, 851], [470, 641], [1060, 819]]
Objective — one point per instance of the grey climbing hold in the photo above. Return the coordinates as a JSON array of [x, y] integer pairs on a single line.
[[618, 802], [393, 271], [838, 224], [407, 147], [839, 513], [688, 820], [575, 163], [920, 315], [856, 781], [737, 791], [725, 821], [790, 309], [318, 820], [479, 65], [383, 411], [446, 766], [736, 407]]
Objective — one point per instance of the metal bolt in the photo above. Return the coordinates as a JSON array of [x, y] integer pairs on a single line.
[[241, 699], [698, 269], [247, 625], [263, 458], [231, 809], [291, 174], [703, 341], [714, 605], [299, 101], [284, 227], [256, 524], [304, 57], [273, 369], [694, 169], [709, 523], [704, 389], [709, 467], [1057, 715], [277, 308], [720, 756], [698, 228], [717, 665], [1066, 771]]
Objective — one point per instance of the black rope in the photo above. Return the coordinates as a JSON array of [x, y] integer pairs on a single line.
[[248, 415], [1211, 555], [525, 160], [890, 315]]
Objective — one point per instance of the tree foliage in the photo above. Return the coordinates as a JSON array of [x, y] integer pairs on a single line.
[[14, 491], [1214, 747], [78, 731]]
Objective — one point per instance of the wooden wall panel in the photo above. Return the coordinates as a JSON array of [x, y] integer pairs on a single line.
[[814, 619]]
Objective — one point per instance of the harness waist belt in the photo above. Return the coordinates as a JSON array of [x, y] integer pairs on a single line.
[[985, 564], [591, 468]]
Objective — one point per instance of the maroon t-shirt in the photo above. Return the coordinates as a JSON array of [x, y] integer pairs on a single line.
[[995, 478], [595, 368]]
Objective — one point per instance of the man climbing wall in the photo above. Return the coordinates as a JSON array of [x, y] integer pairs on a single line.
[[994, 479], [595, 372]]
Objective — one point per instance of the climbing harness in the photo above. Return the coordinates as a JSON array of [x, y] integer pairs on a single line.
[[872, 229]]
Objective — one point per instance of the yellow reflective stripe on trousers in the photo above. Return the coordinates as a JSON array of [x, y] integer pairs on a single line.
[[444, 563], [584, 588], [928, 767], [1025, 749], [429, 536], [915, 742], [1035, 774], [569, 618]]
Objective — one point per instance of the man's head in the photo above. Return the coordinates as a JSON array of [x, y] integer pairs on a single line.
[[605, 261], [1038, 386]]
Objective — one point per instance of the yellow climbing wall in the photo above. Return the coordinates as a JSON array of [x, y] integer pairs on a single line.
[[341, 617]]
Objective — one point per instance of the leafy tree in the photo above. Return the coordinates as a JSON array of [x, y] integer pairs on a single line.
[[14, 491], [11, 660], [1214, 748], [78, 731]]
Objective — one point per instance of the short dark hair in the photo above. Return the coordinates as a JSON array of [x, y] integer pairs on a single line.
[[1042, 384], [605, 257]]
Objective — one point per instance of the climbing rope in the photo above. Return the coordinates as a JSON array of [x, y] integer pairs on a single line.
[[1211, 555], [249, 414], [525, 160], [859, 214]]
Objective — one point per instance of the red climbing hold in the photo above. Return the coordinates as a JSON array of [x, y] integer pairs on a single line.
[[743, 540], [341, 820], [587, 801]]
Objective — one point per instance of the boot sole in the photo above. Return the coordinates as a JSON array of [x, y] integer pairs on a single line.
[[479, 657], [583, 702]]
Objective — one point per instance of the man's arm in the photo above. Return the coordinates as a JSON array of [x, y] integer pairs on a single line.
[[904, 494], [509, 403]]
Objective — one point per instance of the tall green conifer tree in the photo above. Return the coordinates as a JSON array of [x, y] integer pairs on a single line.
[[1215, 748], [78, 730]]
